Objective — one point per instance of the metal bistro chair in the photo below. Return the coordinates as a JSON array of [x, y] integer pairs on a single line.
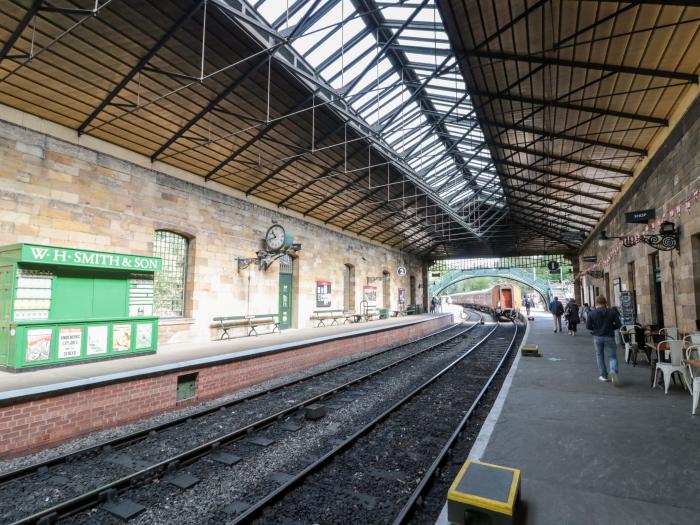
[[693, 377], [671, 332], [668, 369], [630, 336], [691, 340]]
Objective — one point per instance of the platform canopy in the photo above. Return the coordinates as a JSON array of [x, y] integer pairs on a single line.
[[406, 122]]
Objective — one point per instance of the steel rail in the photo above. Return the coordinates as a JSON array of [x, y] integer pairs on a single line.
[[432, 473], [255, 510], [133, 437], [93, 497]]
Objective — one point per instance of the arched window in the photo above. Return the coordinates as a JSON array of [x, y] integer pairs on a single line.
[[170, 283]]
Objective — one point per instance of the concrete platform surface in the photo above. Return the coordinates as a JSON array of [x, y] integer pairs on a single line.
[[181, 355], [591, 453]]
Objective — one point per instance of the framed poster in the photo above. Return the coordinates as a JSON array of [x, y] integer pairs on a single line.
[[121, 337], [96, 340], [617, 288], [144, 335], [402, 295], [323, 294], [70, 341], [370, 295], [38, 344]]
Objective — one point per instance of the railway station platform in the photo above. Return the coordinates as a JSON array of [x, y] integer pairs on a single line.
[[591, 453], [47, 406]]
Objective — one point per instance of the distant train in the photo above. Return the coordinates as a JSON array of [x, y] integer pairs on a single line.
[[501, 299]]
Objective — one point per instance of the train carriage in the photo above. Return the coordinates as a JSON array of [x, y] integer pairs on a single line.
[[502, 299]]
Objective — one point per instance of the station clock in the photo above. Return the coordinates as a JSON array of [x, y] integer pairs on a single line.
[[276, 238]]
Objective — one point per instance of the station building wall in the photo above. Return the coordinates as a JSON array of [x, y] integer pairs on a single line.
[[671, 177], [55, 190]]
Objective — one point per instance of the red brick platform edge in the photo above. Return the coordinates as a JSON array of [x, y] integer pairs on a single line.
[[36, 424]]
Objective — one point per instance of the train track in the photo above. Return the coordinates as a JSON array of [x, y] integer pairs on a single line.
[[34, 481], [380, 473]]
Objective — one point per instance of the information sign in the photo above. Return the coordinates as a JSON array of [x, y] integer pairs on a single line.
[[553, 266], [96, 340], [590, 258], [38, 344], [641, 216], [69, 342], [401, 270], [323, 294], [141, 293]]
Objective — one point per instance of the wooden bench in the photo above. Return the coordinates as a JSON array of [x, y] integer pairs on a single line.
[[321, 316], [251, 322]]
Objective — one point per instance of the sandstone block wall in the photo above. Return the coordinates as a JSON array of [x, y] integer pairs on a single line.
[[57, 192], [670, 178]]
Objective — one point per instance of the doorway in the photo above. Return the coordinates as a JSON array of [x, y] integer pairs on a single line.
[[413, 289], [349, 288], [285, 292], [386, 289], [656, 279]]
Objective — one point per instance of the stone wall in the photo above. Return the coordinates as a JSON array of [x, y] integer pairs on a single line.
[[670, 178], [58, 192]]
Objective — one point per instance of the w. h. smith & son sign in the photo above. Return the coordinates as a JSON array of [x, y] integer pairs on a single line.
[[33, 253]]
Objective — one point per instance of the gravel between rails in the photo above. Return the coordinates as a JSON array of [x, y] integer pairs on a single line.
[[370, 481], [259, 471], [43, 490]]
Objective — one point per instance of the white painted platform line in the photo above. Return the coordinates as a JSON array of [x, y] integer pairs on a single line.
[[479, 446]]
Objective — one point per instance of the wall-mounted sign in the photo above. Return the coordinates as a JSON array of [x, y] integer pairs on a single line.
[[402, 295], [553, 266], [140, 295], [70, 340], [370, 295], [96, 340], [641, 216], [121, 337], [401, 270], [590, 258], [38, 344], [572, 235], [323, 294], [87, 258]]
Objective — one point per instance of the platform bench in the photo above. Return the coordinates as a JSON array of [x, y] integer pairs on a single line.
[[251, 322], [370, 314], [321, 316]]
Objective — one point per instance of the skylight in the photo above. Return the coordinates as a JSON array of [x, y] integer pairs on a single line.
[[396, 70]]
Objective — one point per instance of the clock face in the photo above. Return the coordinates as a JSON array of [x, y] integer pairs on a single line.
[[274, 238]]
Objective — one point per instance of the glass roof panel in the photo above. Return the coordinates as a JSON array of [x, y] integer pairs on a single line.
[[396, 70]]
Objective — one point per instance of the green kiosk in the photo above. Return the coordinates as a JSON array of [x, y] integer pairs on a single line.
[[60, 305]]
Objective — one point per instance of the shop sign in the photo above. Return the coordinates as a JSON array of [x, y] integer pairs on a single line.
[[323, 294], [69, 342], [87, 258], [641, 216], [38, 344], [97, 340]]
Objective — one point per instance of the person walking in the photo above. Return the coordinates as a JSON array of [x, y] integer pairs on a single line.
[[526, 304], [571, 316], [603, 322], [583, 313], [557, 310]]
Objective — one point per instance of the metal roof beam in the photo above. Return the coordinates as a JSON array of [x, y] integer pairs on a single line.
[[153, 50], [560, 62], [568, 160], [564, 136], [567, 176], [573, 107], [573, 191], [12, 39], [560, 199]]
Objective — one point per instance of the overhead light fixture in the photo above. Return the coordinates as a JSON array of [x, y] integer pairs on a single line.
[[666, 240]]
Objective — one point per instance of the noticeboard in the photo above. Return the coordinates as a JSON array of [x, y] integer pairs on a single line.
[[323, 294], [628, 307], [370, 295]]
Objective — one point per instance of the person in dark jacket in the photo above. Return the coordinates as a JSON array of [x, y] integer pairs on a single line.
[[557, 310], [571, 316], [603, 322]]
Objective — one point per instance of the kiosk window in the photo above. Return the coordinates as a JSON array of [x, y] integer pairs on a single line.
[[169, 283]]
